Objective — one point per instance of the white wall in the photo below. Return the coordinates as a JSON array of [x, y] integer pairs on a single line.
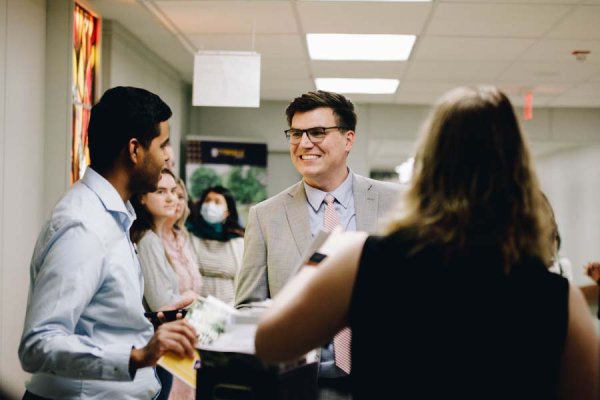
[[58, 103], [128, 62], [22, 87], [571, 179], [569, 171]]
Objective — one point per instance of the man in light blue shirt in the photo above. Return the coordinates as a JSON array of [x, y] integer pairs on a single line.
[[85, 334]]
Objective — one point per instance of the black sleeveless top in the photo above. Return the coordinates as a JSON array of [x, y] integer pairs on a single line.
[[426, 329]]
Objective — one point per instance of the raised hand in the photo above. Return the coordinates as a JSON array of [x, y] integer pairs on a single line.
[[592, 269]]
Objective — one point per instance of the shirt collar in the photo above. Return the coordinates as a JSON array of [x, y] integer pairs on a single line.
[[343, 193], [109, 197]]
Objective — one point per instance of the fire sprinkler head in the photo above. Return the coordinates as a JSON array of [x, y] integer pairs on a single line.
[[580, 55]]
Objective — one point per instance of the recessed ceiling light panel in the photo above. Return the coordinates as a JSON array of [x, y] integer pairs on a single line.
[[326, 46], [367, 86]]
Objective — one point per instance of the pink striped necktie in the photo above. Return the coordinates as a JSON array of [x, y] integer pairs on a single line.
[[342, 340], [331, 219]]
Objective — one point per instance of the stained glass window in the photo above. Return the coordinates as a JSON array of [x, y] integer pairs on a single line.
[[85, 40]]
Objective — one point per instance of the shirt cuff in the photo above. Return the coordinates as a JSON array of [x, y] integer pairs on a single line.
[[117, 358]]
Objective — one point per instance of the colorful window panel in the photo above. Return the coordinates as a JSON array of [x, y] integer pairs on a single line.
[[85, 41]]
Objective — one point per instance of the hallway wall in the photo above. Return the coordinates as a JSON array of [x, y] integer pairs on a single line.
[[128, 62], [571, 180], [22, 110]]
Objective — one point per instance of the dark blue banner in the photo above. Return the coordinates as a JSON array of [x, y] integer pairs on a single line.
[[231, 153]]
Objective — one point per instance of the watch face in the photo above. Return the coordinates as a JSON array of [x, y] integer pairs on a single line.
[[316, 258]]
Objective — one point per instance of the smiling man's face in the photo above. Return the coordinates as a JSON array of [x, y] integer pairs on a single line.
[[322, 165]]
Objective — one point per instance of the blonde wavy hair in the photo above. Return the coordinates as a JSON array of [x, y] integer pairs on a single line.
[[180, 223], [474, 182]]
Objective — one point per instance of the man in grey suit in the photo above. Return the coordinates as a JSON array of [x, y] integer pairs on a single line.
[[279, 229]]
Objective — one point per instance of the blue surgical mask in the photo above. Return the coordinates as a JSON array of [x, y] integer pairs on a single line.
[[213, 213]]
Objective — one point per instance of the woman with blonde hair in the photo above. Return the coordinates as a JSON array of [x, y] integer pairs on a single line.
[[461, 274], [176, 240], [178, 249]]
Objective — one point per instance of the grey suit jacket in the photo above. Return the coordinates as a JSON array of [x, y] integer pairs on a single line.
[[278, 232]]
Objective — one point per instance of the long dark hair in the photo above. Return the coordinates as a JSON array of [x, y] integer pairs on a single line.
[[231, 227], [144, 220]]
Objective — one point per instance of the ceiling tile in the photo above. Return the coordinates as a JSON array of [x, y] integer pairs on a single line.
[[518, 45], [582, 23], [422, 98], [269, 46], [122, 11], [538, 101], [345, 17], [574, 101], [495, 19], [559, 50], [467, 72], [280, 69], [547, 90], [518, 1], [230, 16], [588, 90], [422, 92], [469, 48], [287, 89], [550, 90], [595, 77], [543, 73]]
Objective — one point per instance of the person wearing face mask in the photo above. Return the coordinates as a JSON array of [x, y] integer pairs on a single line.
[[218, 241]]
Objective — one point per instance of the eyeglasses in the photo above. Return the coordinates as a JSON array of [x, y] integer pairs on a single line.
[[315, 135]]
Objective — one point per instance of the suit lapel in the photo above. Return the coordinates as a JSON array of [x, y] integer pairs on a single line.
[[296, 210], [365, 204]]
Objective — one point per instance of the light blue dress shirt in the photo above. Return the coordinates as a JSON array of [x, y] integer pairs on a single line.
[[344, 205], [84, 310]]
